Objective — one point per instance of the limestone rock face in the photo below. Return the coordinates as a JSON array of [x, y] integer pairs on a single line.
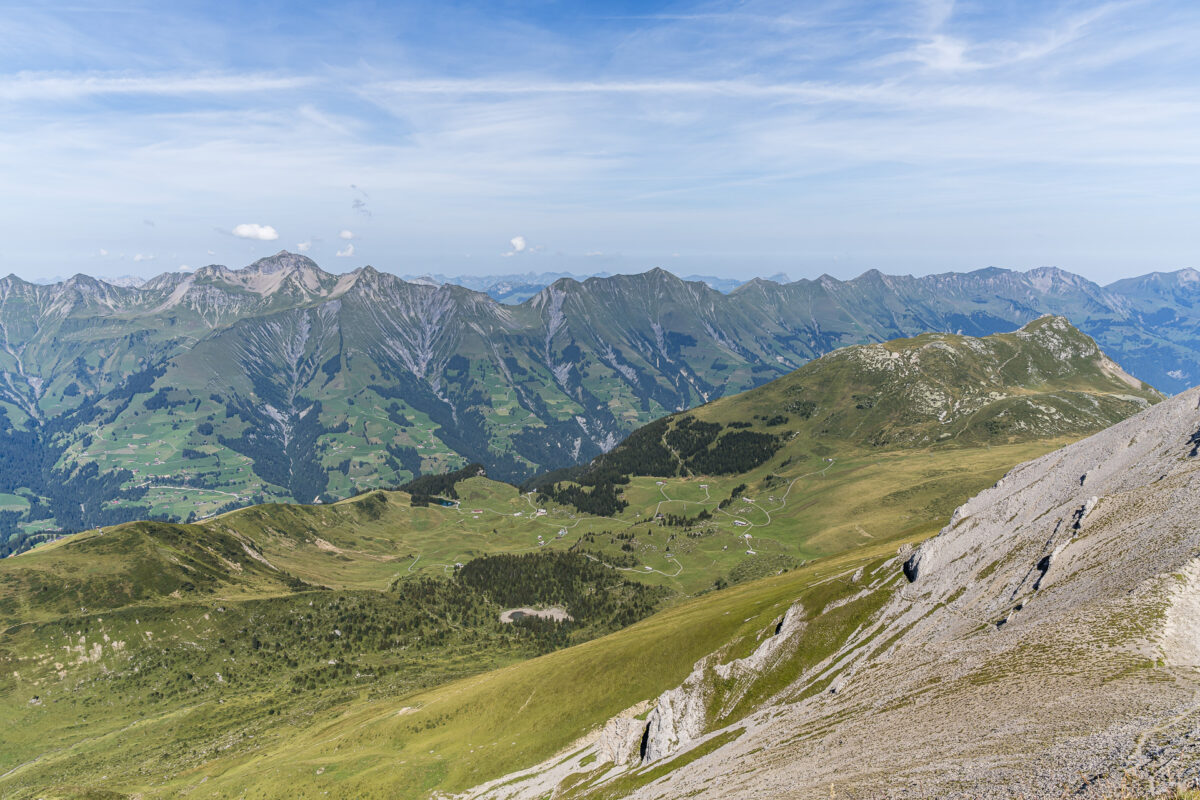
[[1042, 540], [678, 717], [621, 741], [765, 654]]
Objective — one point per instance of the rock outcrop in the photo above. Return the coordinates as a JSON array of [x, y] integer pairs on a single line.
[[678, 717]]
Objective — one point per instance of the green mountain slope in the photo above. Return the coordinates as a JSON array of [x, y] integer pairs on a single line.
[[1044, 381], [234, 651], [205, 391], [1041, 645]]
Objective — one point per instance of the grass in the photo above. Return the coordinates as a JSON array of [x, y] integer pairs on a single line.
[[484, 726], [448, 716], [365, 741]]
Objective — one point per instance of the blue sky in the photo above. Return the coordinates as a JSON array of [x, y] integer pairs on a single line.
[[722, 138]]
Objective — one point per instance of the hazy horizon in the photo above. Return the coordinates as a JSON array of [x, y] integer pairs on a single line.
[[534, 274]]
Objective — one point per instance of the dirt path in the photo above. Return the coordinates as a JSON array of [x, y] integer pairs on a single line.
[[556, 613]]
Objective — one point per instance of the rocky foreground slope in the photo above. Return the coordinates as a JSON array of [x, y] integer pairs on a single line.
[[1045, 643]]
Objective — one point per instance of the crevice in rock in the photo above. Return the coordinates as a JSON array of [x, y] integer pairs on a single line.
[[911, 567], [1043, 567], [1038, 567], [1077, 517]]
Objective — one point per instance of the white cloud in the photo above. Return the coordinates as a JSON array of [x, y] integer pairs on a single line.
[[103, 252], [519, 245], [304, 247], [346, 235], [212, 252], [141, 257], [349, 251], [252, 230]]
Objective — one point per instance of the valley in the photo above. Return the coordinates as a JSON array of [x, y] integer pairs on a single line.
[[243, 654], [200, 392]]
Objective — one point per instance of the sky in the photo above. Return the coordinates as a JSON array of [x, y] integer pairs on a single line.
[[722, 138]]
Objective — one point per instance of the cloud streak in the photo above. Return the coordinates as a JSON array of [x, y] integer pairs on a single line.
[[33, 86]]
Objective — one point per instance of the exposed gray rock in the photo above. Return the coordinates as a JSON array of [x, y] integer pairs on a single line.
[[621, 741], [678, 717]]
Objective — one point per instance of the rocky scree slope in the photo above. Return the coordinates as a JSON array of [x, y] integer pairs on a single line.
[[1045, 642]]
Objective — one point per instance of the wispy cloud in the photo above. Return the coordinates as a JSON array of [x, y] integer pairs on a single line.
[[719, 130], [26, 86]]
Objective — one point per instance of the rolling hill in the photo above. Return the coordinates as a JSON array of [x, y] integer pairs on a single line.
[[1043, 381], [230, 653]]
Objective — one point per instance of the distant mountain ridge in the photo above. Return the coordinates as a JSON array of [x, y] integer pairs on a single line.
[[519, 287], [1043, 382], [219, 386]]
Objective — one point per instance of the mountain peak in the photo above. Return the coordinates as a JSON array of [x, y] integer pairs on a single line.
[[1045, 279], [1057, 327], [282, 261], [1054, 321]]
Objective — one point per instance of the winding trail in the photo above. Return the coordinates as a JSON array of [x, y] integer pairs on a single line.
[[662, 488]]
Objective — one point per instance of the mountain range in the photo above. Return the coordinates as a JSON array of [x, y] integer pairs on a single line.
[[519, 287], [206, 390]]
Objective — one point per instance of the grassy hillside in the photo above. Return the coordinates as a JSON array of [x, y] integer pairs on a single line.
[[809, 463], [356, 647], [204, 391], [180, 640], [364, 742]]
